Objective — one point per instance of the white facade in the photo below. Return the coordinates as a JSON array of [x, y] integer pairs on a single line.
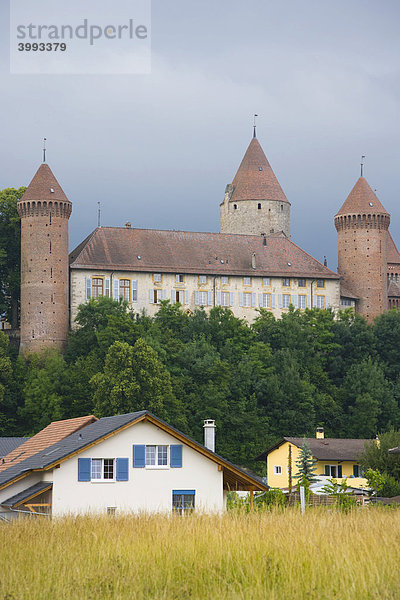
[[243, 295]]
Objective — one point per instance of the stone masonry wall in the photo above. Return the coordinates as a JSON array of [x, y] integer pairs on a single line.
[[248, 219]]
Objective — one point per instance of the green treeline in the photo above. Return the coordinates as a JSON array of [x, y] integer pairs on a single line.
[[276, 377]]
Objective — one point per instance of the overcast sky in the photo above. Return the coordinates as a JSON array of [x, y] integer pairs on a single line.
[[158, 149]]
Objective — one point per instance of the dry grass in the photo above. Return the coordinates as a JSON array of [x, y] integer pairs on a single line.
[[278, 555]]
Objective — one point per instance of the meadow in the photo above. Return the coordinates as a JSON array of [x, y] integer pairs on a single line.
[[324, 554]]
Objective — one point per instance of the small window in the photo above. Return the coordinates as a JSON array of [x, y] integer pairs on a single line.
[[97, 287], [156, 456], [247, 299], [345, 302], [102, 469], [320, 283], [281, 207], [224, 280], [302, 301], [277, 470], [157, 294], [301, 282], [266, 300], [183, 502], [202, 279], [225, 299], [266, 281], [157, 277], [259, 206], [203, 298], [320, 302], [285, 300], [111, 510], [125, 289], [286, 282], [246, 280], [179, 278], [235, 206]]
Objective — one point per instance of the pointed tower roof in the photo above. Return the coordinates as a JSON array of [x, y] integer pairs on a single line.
[[255, 179], [362, 200], [44, 186]]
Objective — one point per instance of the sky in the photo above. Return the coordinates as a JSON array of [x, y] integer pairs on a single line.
[[158, 149]]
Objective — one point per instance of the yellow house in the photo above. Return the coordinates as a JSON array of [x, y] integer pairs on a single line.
[[336, 458]]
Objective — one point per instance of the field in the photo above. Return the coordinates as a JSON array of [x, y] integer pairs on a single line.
[[324, 554]]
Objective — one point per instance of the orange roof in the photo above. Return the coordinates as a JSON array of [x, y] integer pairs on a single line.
[[255, 179], [41, 185], [393, 255], [362, 200], [56, 431]]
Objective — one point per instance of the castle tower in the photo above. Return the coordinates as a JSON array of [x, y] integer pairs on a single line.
[[44, 210], [254, 202], [362, 225]]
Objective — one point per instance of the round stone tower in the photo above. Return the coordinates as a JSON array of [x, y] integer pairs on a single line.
[[362, 225], [44, 210], [254, 202]]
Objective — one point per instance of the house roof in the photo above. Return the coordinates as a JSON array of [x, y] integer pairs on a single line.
[[8, 444], [325, 449], [49, 457], [362, 200], [153, 250], [41, 185], [345, 293], [51, 434], [27, 494], [255, 179], [393, 255], [393, 289]]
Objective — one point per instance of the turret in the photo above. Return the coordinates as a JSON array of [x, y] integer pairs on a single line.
[[254, 202], [362, 225], [44, 210]]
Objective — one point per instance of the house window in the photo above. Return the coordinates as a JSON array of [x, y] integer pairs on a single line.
[[285, 300], [302, 301], [224, 280], [183, 501], [202, 279], [246, 280], [259, 206], [301, 283], [157, 294], [156, 456], [179, 278], [320, 302], [277, 470], [266, 300], [247, 299], [333, 470], [203, 297], [286, 282], [178, 294], [266, 281], [345, 302], [357, 471], [125, 289], [102, 469], [320, 283], [157, 277], [225, 299], [97, 287], [111, 510]]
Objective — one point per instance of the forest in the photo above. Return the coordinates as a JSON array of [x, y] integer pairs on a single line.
[[259, 381]]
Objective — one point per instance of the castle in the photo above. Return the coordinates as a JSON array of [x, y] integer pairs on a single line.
[[251, 264]]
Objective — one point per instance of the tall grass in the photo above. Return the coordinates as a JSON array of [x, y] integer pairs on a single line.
[[324, 554]]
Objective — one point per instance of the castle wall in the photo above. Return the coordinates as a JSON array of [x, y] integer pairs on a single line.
[[247, 218]]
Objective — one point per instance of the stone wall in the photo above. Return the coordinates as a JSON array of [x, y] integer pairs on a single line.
[[255, 217]]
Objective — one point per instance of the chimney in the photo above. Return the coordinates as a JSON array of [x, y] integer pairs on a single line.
[[253, 260], [128, 225], [320, 433], [209, 434]]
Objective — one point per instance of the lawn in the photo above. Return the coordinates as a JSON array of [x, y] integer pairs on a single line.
[[324, 554]]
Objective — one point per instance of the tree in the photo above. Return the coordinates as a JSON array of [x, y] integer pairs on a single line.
[[376, 454], [10, 254], [387, 335], [305, 464]]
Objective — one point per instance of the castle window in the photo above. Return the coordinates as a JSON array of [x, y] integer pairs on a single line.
[[247, 299], [265, 300], [320, 302], [224, 280], [225, 298], [235, 206], [301, 282], [286, 282], [266, 281], [97, 287], [202, 279], [179, 278], [302, 301], [285, 300], [203, 298], [259, 206], [157, 277], [246, 280], [281, 207], [156, 296], [125, 289], [320, 283]]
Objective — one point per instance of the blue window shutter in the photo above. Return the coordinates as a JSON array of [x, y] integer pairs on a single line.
[[84, 465], [172, 296], [280, 300], [196, 298], [218, 298], [240, 299], [176, 455], [186, 297], [260, 299], [210, 298], [308, 301], [272, 300], [115, 289], [151, 296], [164, 294], [88, 288], [122, 469], [107, 287], [134, 290], [295, 300], [254, 300], [139, 451], [231, 298], [327, 302]]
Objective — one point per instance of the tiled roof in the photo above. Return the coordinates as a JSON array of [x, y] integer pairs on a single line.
[[33, 490], [362, 200], [326, 449], [154, 250], [97, 431], [393, 289], [345, 293], [41, 185], [8, 444], [255, 179], [393, 255], [51, 434]]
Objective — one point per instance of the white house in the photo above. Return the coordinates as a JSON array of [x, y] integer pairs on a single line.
[[126, 463]]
